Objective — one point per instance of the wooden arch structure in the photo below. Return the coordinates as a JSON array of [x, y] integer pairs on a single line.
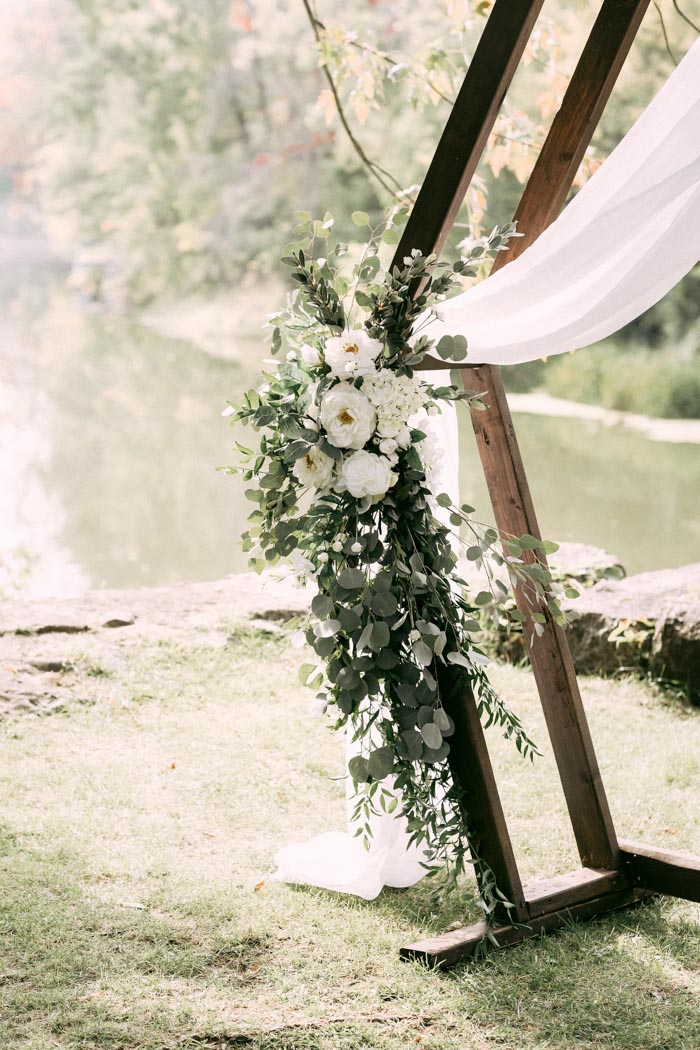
[[613, 873]]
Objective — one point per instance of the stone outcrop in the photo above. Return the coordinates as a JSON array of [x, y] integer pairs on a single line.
[[648, 622]]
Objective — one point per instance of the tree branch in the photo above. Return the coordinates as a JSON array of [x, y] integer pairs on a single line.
[[378, 172]]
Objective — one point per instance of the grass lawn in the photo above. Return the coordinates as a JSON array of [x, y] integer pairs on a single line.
[[137, 830]]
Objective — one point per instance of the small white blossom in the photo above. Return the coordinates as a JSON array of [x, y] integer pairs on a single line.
[[347, 416], [388, 446], [317, 707], [302, 566], [365, 474], [292, 356], [356, 348], [337, 546], [403, 437], [395, 399], [413, 636], [356, 548], [433, 410], [323, 557], [310, 356]]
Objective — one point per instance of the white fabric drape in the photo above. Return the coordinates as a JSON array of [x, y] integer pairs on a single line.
[[629, 236], [625, 240]]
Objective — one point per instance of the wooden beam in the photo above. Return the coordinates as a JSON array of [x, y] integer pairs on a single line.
[[664, 871], [590, 87], [469, 125], [446, 949], [547, 895], [472, 770], [490, 72], [568, 138]]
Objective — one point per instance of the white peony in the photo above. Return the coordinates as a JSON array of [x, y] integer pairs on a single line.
[[365, 474], [315, 468], [347, 417], [353, 352]]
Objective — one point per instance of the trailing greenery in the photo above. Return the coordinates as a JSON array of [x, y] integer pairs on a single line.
[[343, 485]]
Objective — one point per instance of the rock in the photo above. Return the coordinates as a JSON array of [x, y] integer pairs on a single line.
[[186, 605], [648, 622]]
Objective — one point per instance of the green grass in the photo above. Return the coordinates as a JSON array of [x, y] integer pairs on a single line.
[[136, 828]]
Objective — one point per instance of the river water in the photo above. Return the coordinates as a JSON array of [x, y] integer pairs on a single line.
[[110, 436]]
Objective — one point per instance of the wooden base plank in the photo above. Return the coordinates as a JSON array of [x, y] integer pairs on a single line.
[[546, 895], [660, 870], [447, 949]]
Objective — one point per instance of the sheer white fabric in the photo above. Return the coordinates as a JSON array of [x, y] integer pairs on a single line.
[[625, 240], [629, 236]]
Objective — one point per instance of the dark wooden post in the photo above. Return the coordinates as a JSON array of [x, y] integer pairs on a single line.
[[496, 58], [568, 138], [613, 876]]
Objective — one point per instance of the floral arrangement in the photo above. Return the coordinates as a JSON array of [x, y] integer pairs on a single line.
[[344, 485]]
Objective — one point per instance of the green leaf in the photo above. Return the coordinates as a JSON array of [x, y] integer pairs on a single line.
[[358, 768], [360, 218], [414, 743], [431, 735], [390, 236], [348, 678], [351, 579], [460, 660], [443, 721], [350, 619], [380, 635], [423, 653], [327, 628], [381, 763], [483, 598], [304, 672], [322, 606], [384, 604], [445, 347]]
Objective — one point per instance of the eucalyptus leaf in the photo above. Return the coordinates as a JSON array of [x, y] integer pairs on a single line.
[[381, 763], [358, 767], [327, 628], [431, 735]]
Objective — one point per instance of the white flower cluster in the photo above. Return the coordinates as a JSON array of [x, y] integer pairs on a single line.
[[377, 414], [396, 399]]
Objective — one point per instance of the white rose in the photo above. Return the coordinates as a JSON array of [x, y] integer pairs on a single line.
[[347, 417], [310, 356], [353, 351], [365, 474], [388, 446], [315, 468]]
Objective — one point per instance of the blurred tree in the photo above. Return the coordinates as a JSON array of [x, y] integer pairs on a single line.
[[174, 139]]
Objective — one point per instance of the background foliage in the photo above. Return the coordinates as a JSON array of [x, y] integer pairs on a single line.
[[171, 142]]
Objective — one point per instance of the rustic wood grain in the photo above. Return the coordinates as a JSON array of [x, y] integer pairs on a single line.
[[447, 949], [665, 871]]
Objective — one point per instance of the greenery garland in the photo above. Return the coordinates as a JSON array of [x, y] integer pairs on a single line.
[[343, 486]]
